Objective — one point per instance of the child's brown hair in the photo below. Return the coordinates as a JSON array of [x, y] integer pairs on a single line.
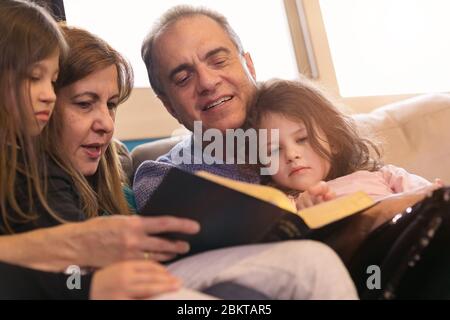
[[302, 101]]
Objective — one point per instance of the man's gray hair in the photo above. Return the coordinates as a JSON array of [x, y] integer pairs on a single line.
[[170, 17]]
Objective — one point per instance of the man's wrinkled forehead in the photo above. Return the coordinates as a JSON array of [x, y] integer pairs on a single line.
[[179, 42], [208, 31]]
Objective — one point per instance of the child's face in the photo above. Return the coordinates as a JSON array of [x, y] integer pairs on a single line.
[[300, 167], [41, 78]]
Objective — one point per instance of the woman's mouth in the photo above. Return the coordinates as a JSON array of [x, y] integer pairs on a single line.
[[93, 151]]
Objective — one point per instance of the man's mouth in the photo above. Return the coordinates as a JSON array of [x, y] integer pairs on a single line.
[[217, 103]]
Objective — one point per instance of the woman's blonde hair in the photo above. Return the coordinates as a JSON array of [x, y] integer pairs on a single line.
[[303, 101], [28, 35], [103, 192]]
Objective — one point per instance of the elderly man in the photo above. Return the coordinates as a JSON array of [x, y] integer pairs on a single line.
[[200, 72]]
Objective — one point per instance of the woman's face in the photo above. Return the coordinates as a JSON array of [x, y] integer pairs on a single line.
[[41, 78], [87, 110]]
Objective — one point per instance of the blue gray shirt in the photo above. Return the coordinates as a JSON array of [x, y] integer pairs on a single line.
[[151, 173]]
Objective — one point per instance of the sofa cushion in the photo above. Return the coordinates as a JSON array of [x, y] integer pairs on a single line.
[[414, 134], [152, 150]]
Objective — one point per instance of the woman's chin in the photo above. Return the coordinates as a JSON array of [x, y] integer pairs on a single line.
[[89, 170]]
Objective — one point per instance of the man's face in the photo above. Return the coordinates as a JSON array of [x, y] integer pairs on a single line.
[[203, 75]]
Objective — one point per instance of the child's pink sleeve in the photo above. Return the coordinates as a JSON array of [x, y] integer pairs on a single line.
[[400, 180]]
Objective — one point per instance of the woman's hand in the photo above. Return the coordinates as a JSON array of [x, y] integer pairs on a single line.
[[316, 194], [97, 242], [132, 280], [105, 240]]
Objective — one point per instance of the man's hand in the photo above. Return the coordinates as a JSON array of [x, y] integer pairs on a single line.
[[316, 194]]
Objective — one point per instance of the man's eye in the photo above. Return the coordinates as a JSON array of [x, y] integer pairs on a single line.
[[112, 105], [182, 80], [219, 62]]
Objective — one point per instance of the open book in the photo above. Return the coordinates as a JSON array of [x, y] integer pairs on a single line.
[[235, 213]]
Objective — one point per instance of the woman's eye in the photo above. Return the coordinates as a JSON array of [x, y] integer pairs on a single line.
[[83, 104]]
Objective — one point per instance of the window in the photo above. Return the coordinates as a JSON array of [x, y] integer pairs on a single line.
[[385, 47], [262, 26]]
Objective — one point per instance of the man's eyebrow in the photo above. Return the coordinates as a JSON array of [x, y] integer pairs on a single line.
[[116, 96], [187, 66], [216, 51]]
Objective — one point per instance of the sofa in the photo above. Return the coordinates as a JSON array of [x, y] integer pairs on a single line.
[[413, 134]]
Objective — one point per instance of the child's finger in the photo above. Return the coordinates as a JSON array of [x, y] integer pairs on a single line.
[[330, 195], [320, 188], [304, 201]]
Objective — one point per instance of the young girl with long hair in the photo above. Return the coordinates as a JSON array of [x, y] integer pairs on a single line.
[[321, 154]]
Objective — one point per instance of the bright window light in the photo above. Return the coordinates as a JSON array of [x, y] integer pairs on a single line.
[[383, 47], [262, 26]]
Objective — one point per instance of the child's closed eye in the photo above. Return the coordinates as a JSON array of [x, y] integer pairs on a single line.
[[302, 140]]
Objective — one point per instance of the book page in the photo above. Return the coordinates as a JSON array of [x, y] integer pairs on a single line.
[[315, 217], [334, 210], [265, 193]]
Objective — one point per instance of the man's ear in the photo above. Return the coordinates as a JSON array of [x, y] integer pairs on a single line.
[[168, 106], [250, 66]]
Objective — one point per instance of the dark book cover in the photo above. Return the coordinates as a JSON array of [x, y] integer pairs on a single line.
[[227, 217]]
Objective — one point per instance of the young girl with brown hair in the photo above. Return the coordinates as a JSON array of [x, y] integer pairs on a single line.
[[321, 154]]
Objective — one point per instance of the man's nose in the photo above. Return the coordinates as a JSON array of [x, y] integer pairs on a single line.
[[207, 81]]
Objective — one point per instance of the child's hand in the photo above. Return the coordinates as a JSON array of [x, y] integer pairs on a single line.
[[316, 194], [132, 279], [438, 183]]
